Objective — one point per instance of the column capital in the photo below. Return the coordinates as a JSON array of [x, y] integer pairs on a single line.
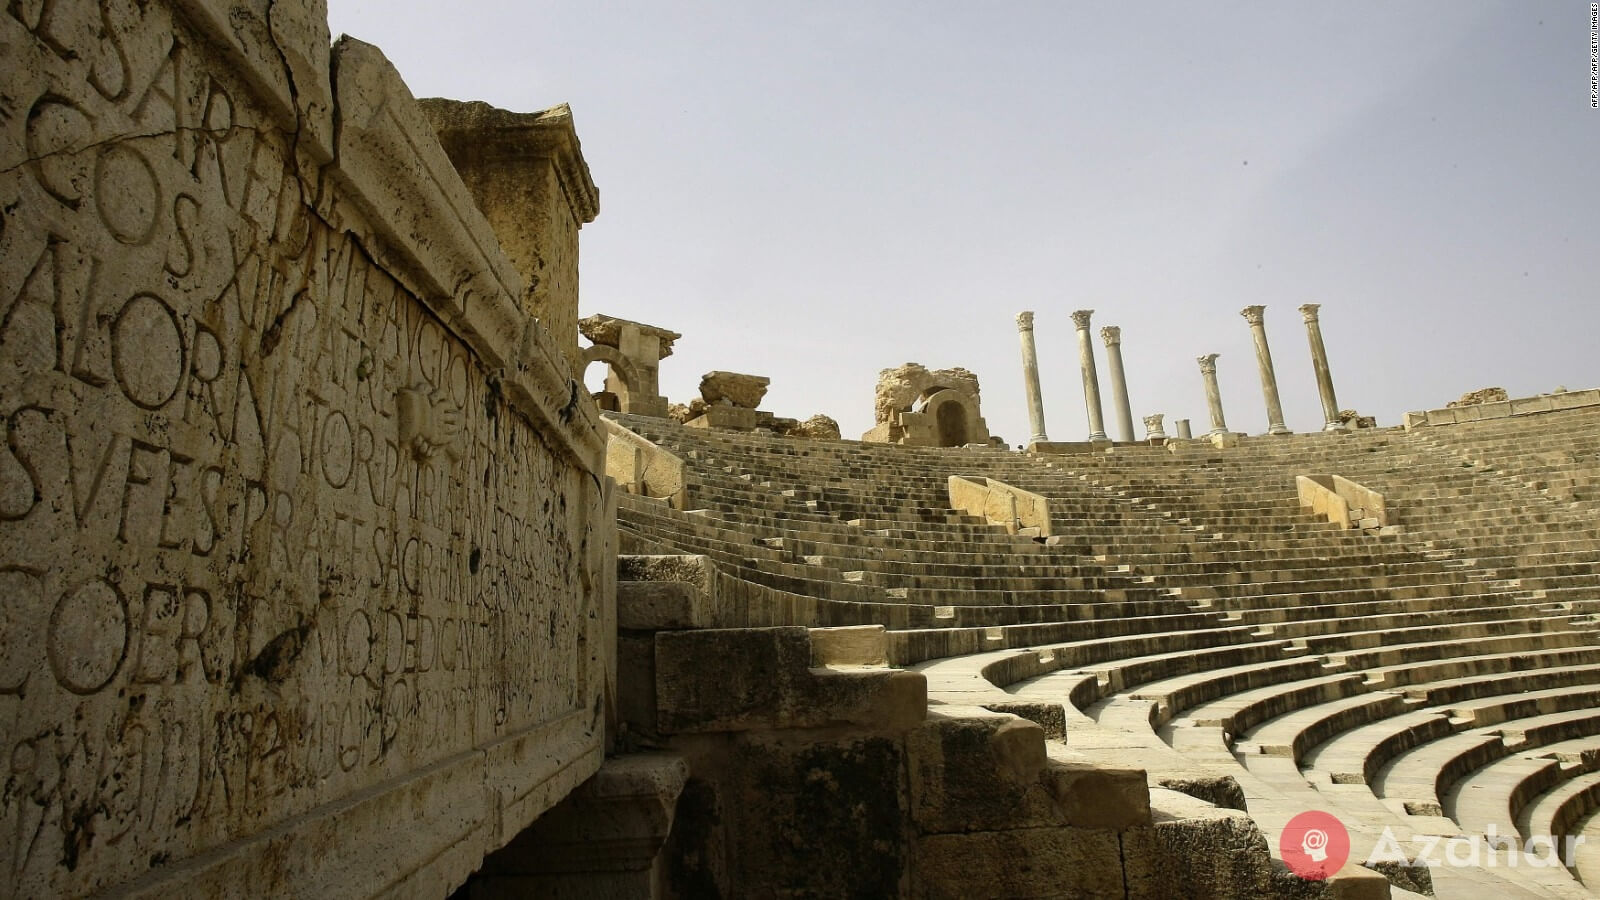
[[1208, 363], [1255, 315], [1081, 318], [1111, 334], [1309, 311], [1153, 426], [1025, 321]]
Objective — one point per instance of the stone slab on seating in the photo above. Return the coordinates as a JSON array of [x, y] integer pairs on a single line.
[[761, 678], [975, 770], [850, 645], [1054, 861], [1193, 849]]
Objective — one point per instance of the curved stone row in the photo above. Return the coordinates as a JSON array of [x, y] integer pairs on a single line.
[[1186, 616]]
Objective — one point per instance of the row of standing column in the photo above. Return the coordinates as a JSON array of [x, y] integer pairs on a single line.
[[1112, 336], [1256, 316]]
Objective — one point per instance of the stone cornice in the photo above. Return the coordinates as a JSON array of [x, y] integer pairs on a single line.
[[480, 130]]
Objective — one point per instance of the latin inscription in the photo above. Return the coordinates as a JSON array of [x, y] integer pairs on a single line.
[[268, 533]]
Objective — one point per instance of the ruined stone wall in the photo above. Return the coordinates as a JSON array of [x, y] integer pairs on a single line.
[[304, 562], [526, 173]]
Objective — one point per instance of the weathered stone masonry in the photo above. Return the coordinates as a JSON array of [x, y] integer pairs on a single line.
[[303, 554]]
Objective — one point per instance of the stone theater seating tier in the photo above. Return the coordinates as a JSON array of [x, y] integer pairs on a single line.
[[310, 580], [1188, 617]]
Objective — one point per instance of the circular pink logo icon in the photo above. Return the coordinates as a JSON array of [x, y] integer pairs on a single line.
[[1314, 845]]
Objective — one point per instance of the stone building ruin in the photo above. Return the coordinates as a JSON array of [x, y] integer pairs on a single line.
[[632, 353], [322, 574], [916, 407]]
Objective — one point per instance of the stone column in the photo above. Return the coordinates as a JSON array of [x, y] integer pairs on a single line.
[[1255, 315], [1184, 431], [1152, 428], [1091, 381], [1112, 335], [1030, 378], [1208, 371], [1319, 362]]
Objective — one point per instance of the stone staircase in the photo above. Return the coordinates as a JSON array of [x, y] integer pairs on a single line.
[[1188, 618]]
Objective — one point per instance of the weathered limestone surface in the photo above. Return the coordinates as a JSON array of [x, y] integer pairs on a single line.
[[1351, 419], [1154, 430], [922, 408], [733, 389], [1030, 379], [641, 467], [900, 387], [304, 556], [632, 352], [1319, 365], [1500, 409], [601, 842], [1343, 501], [1001, 504], [527, 174], [685, 412], [1112, 335], [818, 427], [1091, 380], [1194, 850], [1208, 374], [1256, 316], [1482, 395]]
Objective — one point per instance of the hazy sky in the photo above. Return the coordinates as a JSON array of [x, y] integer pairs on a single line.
[[816, 191]]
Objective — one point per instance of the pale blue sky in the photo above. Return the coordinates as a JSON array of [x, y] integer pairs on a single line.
[[817, 191]]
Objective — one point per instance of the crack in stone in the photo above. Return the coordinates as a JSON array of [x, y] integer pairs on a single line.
[[183, 131]]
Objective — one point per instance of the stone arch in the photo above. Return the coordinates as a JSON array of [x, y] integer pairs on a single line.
[[954, 415], [623, 380]]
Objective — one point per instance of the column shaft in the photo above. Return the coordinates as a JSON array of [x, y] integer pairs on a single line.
[[1112, 335], [1091, 380], [1208, 371], [1030, 378], [1255, 315], [1319, 362]]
